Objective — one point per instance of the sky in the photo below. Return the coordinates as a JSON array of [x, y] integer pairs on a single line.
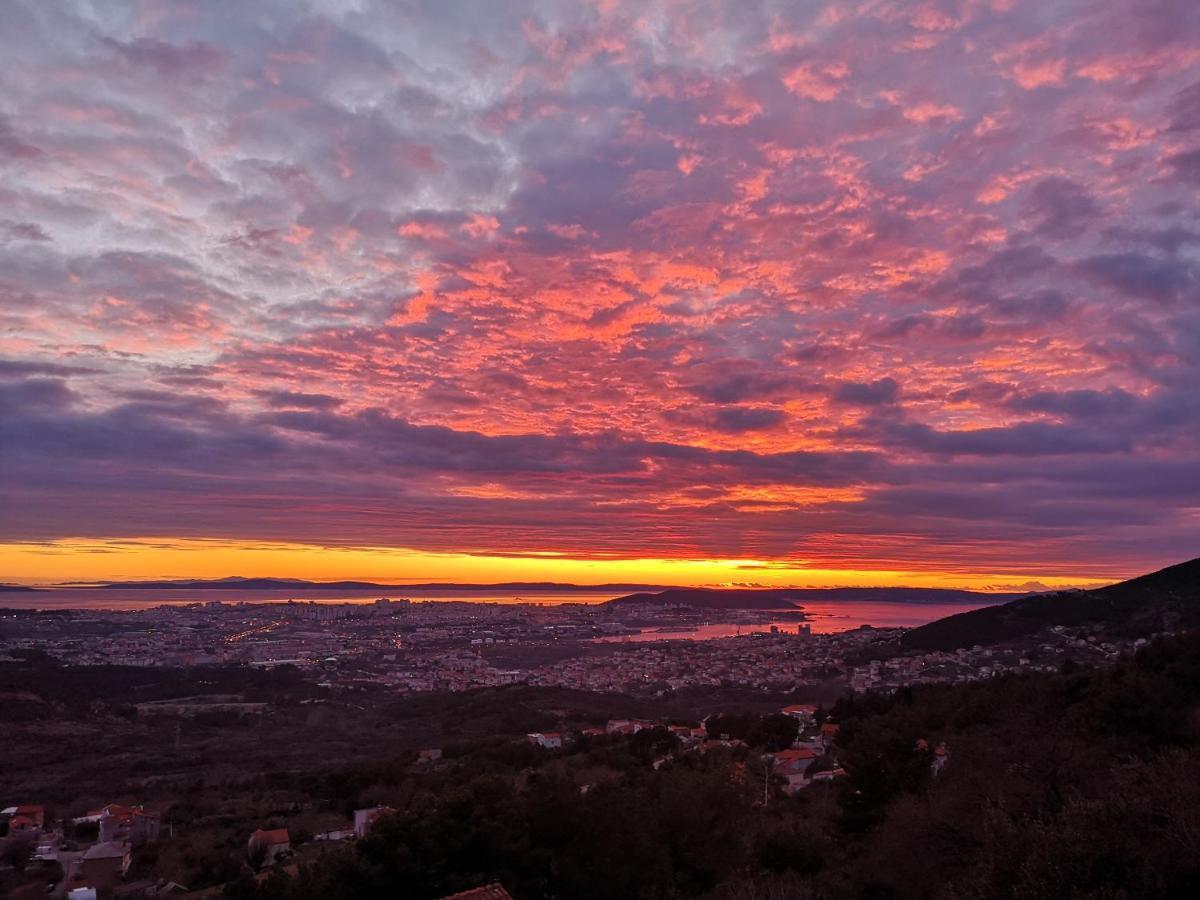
[[688, 292]]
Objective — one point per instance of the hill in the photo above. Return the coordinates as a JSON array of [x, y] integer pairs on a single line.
[[786, 598], [1166, 600]]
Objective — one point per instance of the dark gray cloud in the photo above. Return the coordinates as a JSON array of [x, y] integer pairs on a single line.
[[1063, 208], [875, 393], [1141, 276]]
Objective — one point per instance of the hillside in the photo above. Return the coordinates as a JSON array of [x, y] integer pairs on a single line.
[[1165, 600], [785, 598]]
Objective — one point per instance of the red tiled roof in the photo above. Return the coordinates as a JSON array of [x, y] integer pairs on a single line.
[[787, 755], [494, 891], [272, 836]]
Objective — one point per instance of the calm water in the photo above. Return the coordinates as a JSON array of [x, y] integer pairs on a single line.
[[823, 616], [84, 598]]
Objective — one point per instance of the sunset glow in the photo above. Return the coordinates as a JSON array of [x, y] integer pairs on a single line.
[[674, 293]]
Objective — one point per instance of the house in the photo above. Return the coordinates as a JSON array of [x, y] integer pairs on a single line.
[[804, 713], [365, 819], [815, 744], [493, 891], [794, 760], [273, 844], [124, 823], [792, 766], [424, 757], [104, 864], [829, 732], [687, 735], [26, 819], [550, 740]]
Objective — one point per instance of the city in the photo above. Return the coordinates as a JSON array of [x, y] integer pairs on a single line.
[[403, 646]]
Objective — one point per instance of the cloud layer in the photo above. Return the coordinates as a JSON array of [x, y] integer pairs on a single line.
[[855, 285]]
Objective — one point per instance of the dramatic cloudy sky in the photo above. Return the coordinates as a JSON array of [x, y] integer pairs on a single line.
[[853, 286]]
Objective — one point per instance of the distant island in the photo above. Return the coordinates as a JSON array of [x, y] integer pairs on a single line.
[[236, 583], [15, 588], [783, 598]]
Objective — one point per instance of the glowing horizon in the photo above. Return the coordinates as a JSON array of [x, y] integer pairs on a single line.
[[157, 558]]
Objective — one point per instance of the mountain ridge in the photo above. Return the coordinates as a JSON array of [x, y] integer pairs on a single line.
[[1167, 599]]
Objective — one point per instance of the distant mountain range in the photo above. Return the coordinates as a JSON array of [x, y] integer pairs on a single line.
[[237, 583], [1168, 599], [700, 598], [783, 598]]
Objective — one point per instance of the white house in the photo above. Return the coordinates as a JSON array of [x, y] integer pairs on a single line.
[[550, 740], [364, 819]]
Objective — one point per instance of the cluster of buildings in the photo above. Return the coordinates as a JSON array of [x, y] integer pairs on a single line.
[[1046, 653], [304, 634], [762, 659], [96, 864], [403, 647]]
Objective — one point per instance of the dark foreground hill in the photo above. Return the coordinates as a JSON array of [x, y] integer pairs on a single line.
[[785, 598], [1166, 600]]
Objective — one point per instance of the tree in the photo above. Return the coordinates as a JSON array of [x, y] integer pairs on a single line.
[[16, 853], [733, 725], [773, 732]]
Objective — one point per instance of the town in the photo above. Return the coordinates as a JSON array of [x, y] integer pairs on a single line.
[[455, 646]]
